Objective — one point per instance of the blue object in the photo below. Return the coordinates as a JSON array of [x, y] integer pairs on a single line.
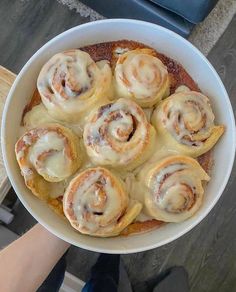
[[193, 10], [142, 10]]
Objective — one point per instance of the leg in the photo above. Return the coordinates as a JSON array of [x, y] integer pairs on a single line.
[[104, 274]]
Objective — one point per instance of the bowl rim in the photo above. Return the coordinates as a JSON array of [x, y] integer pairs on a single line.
[[43, 222]]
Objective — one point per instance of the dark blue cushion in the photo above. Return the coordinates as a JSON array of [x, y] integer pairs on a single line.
[[192, 10], [143, 10]]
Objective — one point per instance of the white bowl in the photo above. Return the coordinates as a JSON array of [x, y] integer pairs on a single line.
[[164, 41]]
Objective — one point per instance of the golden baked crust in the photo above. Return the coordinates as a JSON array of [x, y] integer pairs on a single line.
[[175, 189], [177, 76], [139, 75], [71, 84], [107, 51], [57, 206], [185, 122], [124, 147], [103, 207], [36, 160], [142, 227]]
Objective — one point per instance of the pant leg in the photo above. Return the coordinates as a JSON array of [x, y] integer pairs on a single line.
[[54, 280], [104, 274]]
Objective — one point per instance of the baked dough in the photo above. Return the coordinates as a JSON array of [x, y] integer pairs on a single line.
[[174, 188], [96, 203], [71, 84], [47, 154], [185, 122], [119, 135], [141, 76]]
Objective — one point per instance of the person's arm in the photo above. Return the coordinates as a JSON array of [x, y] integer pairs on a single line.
[[26, 263]]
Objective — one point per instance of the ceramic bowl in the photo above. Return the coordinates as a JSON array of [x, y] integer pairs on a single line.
[[164, 41]]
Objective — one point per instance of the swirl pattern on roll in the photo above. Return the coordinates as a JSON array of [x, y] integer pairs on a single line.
[[71, 83], [118, 134], [140, 75], [175, 189], [49, 153], [185, 121], [96, 203]]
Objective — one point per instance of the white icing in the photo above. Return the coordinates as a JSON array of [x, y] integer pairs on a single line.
[[123, 141], [119, 51], [55, 164], [39, 116], [27, 139], [188, 109], [90, 199], [182, 88], [57, 189], [71, 82], [174, 189], [70, 68], [140, 74], [102, 152], [26, 172]]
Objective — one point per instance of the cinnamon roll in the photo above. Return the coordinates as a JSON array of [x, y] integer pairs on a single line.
[[96, 203], [185, 122], [118, 135], [140, 75], [175, 189], [46, 155], [71, 84]]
